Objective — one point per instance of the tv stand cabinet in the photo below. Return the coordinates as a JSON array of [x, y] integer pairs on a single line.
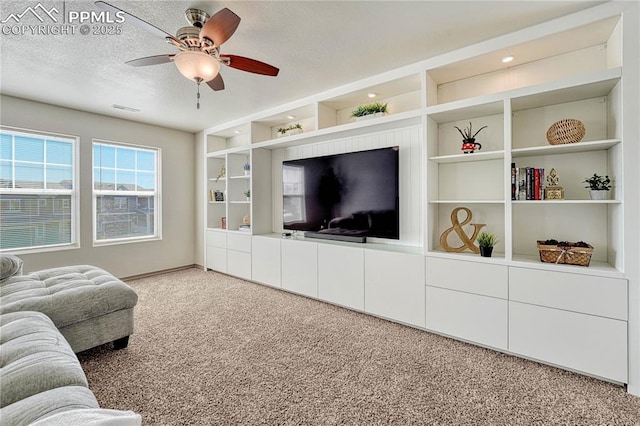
[[584, 319]]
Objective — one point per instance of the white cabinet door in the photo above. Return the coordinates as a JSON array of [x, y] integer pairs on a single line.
[[239, 242], [586, 343], [394, 286], [341, 275], [217, 259], [300, 267], [265, 260], [479, 319], [239, 264], [216, 238]]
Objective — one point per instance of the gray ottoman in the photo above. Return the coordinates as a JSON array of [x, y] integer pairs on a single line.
[[88, 305]]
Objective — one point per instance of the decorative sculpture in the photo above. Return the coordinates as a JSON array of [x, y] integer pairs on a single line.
[[467, 242]]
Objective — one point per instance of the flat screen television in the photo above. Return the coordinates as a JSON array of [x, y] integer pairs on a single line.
[[352, 194]]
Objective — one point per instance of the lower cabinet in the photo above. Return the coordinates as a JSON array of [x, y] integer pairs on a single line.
[[471, 317], [394, 286], [300, 267], [239, 255], [341, 275], [586, 343], [216, 255], [265, 261]]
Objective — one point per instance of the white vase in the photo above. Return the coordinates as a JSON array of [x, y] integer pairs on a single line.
[[370, 116], [599, 194]]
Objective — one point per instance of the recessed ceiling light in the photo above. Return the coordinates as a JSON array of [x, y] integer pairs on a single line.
[[507, 59], [125, 108], [237, 132], [291, 117], [372, 95]]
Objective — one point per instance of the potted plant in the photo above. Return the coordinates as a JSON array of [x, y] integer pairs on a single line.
[[247, 168], [486, 241], [469, 144], [293, 129], [375, 109], [247, 194], [598, 186]]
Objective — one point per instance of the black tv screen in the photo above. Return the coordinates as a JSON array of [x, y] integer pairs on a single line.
[[346, 194]]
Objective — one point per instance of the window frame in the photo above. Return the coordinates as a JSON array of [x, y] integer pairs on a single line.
[[74, 192], [157, 194]]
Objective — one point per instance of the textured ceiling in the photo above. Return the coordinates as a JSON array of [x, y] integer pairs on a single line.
[[316, 44]]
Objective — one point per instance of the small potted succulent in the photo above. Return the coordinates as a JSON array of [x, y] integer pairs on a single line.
[[375, 109], [247, 194], [486, 241], [469, 144], [598, 186]]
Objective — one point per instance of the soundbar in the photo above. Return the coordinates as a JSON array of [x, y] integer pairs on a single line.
[[336, 237]]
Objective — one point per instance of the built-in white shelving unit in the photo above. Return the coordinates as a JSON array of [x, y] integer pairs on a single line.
[[573, 67]]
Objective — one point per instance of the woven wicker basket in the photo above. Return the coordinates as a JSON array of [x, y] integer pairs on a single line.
[[568, 130], [580, 256]]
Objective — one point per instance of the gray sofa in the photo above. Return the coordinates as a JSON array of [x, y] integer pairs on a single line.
[[42, 380], [45, 317]]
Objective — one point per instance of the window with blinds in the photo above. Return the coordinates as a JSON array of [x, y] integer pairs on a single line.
[[126, 192], [38, 196]]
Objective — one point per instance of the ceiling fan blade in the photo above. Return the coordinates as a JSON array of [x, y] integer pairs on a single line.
[[150, 60], [134, 20], [250, 65], [220, 26], [217, 83]]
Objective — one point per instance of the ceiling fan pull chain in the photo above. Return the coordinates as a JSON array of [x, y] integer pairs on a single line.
[[198, 98]]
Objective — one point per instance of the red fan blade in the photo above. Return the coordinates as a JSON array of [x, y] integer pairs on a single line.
[[250, 65], [217, 83], [220, 26], [150, 60], [134, 20]]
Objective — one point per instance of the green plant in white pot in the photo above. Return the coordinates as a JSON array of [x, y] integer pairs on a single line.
[[598, 186], [486, 242], [370, 110]]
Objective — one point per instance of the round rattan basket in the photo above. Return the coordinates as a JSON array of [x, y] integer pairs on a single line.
[[568, 130]]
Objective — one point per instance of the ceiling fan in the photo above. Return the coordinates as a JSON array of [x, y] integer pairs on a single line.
[[199, 56]]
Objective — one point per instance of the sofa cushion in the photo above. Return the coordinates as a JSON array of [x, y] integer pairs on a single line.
[[92, 416], [67, 295], [10, 265], [34, 357], [52, 402]]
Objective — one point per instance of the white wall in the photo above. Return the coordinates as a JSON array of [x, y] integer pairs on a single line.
[[177, 247]]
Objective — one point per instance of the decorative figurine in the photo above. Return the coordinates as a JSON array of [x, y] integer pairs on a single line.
[[553, 191]]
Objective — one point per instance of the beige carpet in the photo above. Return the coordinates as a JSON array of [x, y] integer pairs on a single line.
[[211, 349]]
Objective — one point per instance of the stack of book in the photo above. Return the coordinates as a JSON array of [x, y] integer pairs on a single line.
[[245, 228], [527, 183]]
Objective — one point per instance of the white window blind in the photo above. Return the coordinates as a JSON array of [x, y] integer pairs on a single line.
[[126, 192], [38, 196]]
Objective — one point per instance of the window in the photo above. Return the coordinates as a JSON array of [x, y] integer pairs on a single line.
[[38, 195], [126, 193], [293, 194]]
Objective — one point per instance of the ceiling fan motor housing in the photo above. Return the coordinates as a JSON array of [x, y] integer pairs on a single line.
[[196, 17]]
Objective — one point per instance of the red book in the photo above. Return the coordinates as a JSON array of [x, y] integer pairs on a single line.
[[536, 180]]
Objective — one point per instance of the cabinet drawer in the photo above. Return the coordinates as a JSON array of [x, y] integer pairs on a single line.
[[479, 319], [239, 264], [472, 277], [217, 239], [239, 242], [586, 343], [587, 294], [217, 259]]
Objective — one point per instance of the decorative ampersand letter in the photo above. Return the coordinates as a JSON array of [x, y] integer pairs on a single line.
[[467, 242]]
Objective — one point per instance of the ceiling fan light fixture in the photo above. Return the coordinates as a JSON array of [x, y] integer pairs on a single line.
[[197, 66]]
